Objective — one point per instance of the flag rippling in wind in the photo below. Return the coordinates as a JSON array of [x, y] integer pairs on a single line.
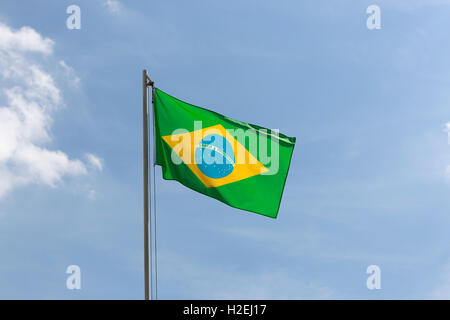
[[240, 164]]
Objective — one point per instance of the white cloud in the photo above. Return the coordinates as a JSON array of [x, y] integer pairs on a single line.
[[25, 39], [113, 6], [95, 161], [28, 99]]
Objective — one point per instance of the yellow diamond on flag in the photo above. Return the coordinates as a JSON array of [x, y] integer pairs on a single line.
[[215, 156]]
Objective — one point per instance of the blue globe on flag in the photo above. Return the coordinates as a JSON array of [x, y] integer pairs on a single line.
[[214, 156]]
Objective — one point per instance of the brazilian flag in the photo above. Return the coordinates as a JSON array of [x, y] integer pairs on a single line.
[[240, 164]]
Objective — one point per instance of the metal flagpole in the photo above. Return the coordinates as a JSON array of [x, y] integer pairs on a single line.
[[154, 191], [147, 223], [145, 164]]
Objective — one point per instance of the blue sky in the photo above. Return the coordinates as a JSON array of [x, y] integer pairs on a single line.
[[370, 176]]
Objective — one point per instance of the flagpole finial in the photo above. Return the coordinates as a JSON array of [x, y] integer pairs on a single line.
[[149, 82]]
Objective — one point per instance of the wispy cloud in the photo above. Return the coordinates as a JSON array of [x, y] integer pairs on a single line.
[[447, 129], [442, 289], [70, 73], [113, 6], [409, 4], [95, 161], [200, 281], [28, 99]]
